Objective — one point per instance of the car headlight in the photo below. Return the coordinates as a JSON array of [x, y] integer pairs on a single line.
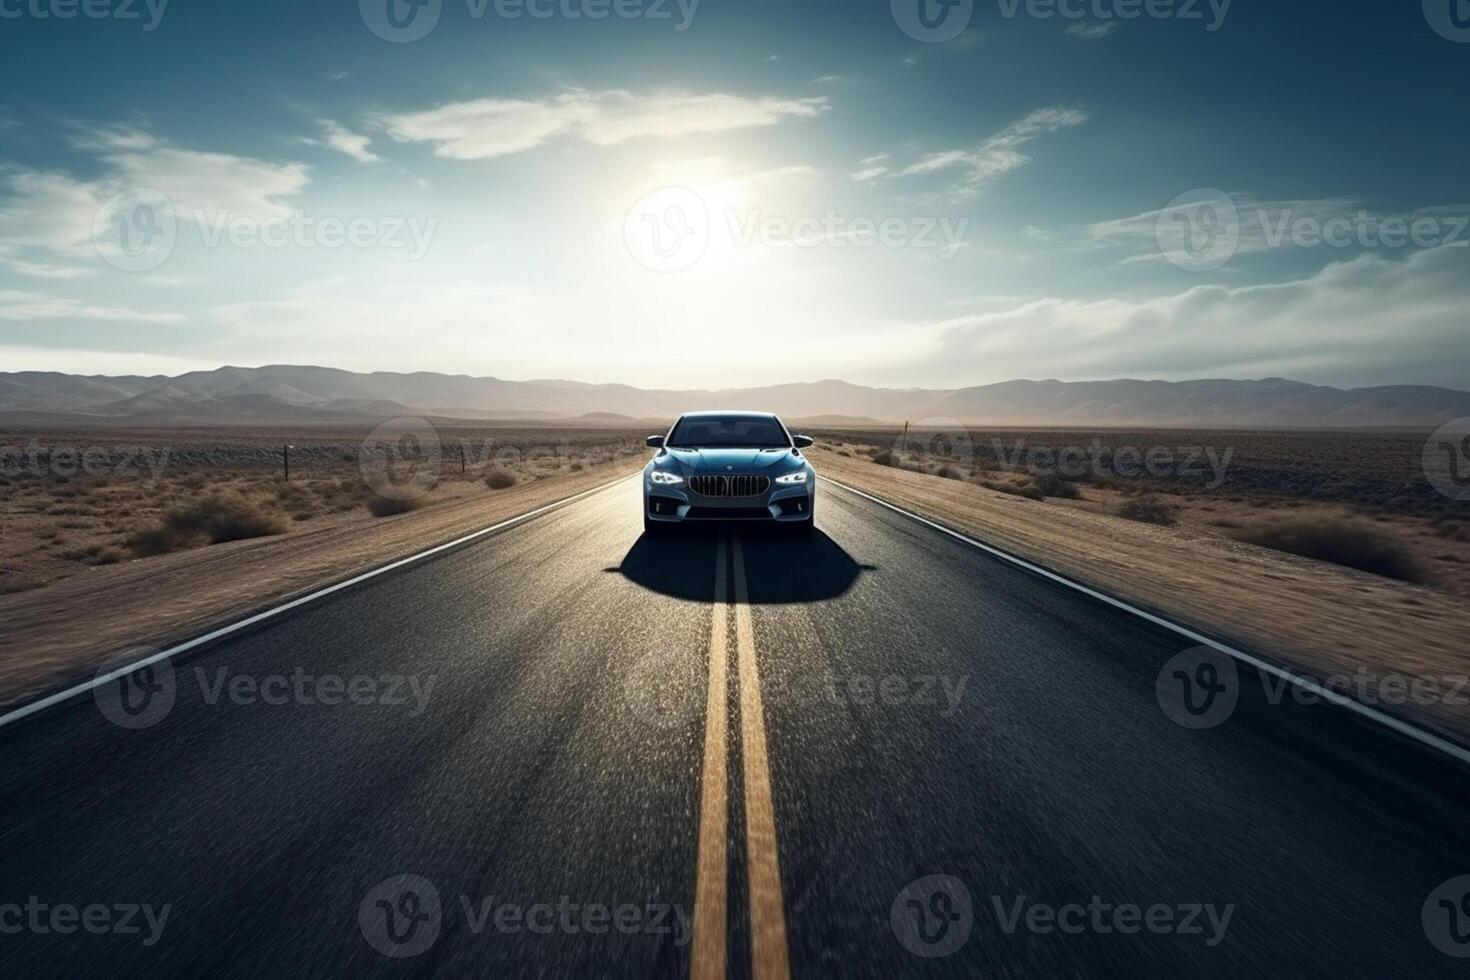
[[668, 479], [798, 477]]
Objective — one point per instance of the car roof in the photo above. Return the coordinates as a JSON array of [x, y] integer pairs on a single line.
[[735, 414]]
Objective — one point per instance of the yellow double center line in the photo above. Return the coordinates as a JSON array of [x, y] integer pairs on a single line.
[[769, 956]]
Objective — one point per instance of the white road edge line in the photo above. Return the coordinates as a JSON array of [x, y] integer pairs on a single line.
[[1417, 734], [25, 711]]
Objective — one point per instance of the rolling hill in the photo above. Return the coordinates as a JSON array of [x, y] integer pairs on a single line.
[[280, 394]]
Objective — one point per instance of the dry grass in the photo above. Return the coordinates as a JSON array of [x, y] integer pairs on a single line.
[[380, 506], [1371, 480], [1147, 510], [214, 519], [1347, 543], [54, 526], [1052, 485], [499, 479]]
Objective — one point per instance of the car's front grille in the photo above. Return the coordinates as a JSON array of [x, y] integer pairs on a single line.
[[740, 485]]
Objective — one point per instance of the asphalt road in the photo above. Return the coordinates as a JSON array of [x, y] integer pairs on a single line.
[[925, 761]]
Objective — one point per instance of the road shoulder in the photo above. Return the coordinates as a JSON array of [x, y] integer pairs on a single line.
[[1322, 620], [55, 636]]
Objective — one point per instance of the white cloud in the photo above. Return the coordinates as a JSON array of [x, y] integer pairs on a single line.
[[1000, 154], [107, 139], [53, 213], [213, 183], [496, 127], [343, 140], [48, 210], [17, 305], [44, 270], [1093, 32], [871, 168], [1156, 236], [828, 79], [1330, 327]]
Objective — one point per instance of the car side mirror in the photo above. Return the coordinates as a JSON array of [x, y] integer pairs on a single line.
[[802, 442], [657, 442]]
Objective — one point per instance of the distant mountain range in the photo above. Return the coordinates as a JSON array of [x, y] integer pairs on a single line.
[[295, 395]]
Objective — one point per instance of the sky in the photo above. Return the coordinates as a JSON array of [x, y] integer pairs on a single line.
[[712, 193]]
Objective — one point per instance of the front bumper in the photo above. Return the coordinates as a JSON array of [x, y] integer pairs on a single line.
[[679, 504]]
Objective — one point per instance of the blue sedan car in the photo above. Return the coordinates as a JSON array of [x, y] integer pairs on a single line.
[[729, 466]]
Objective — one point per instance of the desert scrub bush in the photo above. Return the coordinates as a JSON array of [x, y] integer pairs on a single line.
[[209, 520], [1341, 542], [949, 473], [1454, 532], [1052, 485], [1029, 491], [380, 506], [886, 458], [499, 479], [96, 554], [1148, 510]]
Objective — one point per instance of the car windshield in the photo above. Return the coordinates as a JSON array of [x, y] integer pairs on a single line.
[[729, 432]]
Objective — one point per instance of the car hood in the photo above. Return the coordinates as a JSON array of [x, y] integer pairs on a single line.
[[733, 460]]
